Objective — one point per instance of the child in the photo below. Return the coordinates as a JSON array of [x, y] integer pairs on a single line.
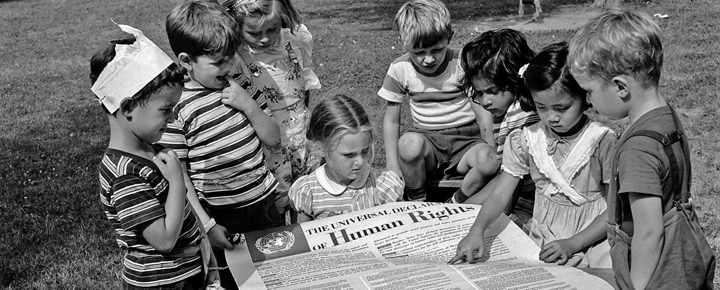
[[346, 182], [491, 63], [446, 138], [567, 156], [219, 129], [279, 47], [656, 241], [142, 189]]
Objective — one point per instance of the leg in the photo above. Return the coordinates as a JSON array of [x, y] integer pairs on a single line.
[[538, 10], [478, 165], [415, 154], [521, 10]]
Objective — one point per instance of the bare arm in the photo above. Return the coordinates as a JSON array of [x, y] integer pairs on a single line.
[[162, 234], [391, 132], [562, 250], [266, 128], [648, 237], [217, 234], [485, 120], [472, 245]]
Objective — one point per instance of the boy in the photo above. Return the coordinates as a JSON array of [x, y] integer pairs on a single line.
[[142, 189], [656, 241], [446, 136], [219, 129]]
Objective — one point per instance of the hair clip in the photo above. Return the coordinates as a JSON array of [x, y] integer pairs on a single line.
[[522, 70]]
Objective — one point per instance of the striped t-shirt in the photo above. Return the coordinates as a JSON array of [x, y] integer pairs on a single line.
[[223, 153], [436, 101], [133, 194]]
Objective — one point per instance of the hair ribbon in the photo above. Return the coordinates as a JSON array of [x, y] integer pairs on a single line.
[[522, 70]]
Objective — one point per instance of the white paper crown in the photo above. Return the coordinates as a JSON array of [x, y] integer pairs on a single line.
[[133, 67]]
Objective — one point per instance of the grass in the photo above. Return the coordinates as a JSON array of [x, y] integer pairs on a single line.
[[52, 132]]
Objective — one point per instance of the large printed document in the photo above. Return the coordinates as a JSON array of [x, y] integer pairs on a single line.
[[403, 245]]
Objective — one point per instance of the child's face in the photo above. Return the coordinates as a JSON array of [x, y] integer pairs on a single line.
[[428, 60], [149, 120], [493, 99], [602, 96], [260, 35], [558, 109], [346, 161], [209, 71]]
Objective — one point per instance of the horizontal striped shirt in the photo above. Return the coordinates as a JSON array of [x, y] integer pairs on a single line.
[[133, 194], [317, 196], [436, 101], [223, 152], [515, 118]]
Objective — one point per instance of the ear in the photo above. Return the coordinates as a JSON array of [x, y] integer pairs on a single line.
[[126, 108], [620, 86], [185, 61]]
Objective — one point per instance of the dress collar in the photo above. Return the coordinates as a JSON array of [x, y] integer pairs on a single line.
[[337, 189]]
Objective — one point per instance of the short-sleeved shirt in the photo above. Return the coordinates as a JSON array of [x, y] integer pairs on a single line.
[[317, 196], [225, 159], [643, 166], [133, 194], [436, 101]]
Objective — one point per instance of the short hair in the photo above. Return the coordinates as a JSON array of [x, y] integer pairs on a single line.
[[497, 55], [617, 42], [265, 9], [550, 67], [200, 27], [423, 23], [335, 117], [171, 76]]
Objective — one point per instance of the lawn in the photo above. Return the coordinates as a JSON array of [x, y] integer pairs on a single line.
[[52, 132]]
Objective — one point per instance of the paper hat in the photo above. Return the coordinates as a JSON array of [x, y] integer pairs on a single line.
[[133, 67]]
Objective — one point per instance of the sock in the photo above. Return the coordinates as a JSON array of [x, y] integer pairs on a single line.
[[413, 194], [458, 197]]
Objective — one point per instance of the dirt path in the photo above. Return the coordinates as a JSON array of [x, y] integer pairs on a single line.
[[561, 18]]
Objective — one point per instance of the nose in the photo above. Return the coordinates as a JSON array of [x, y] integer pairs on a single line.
[[553, 118], [171, 117], [359, 160], [429, 59], [485, 102]]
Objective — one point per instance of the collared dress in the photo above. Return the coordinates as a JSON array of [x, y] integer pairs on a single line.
[[570, 174], [317, 196]]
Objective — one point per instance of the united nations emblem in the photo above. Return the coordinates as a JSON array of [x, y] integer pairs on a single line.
[[275, 242]]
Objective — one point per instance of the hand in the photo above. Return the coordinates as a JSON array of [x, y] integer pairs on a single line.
[[235, 96], [218, 238], [169, 164], [558, 251], [212, 276], [470, 249]]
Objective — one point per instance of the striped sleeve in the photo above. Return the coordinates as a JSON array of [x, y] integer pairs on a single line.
[[135, 202], [300, 196], [392, 89], [389, 187]]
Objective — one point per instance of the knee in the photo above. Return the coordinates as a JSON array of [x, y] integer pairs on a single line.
[[486, 159], [410, 146]]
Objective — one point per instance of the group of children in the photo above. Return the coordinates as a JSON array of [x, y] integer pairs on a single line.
[[221, 141]]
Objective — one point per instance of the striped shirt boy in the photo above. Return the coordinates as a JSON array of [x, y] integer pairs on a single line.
[[224, 154], [133, 194]]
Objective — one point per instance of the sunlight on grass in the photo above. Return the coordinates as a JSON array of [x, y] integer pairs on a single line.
[[52, 132]]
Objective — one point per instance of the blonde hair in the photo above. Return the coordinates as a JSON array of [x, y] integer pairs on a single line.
[[617, 42], [335, 117], [265, 10], [423, 23]]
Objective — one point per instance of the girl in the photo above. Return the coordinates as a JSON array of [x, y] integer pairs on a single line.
[[278, 54], [346, 182], [568, 158], [491, 63]]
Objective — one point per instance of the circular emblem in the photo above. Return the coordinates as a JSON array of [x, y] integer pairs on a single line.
[[275, 242]]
